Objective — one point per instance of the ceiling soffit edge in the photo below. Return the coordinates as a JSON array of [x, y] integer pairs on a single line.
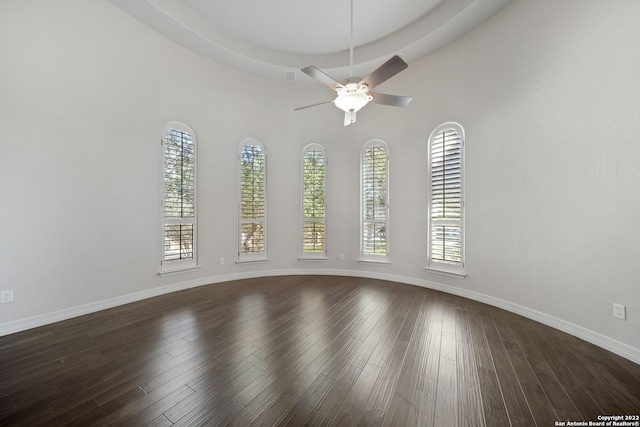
[[446, 22]]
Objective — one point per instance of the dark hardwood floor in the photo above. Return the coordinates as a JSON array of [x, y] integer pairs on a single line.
[[308, 350]]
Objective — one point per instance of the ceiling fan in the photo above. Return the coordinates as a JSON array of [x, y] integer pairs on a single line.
[[354, 92]]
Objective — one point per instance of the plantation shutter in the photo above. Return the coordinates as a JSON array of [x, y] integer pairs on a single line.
[[252, 200], [374, 198], [313, 201], [446, 196], [179, 202]]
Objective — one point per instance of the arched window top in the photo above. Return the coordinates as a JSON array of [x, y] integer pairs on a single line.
[[252, 142], [313, 147], [375, 142], [179, 126], [452, 127]]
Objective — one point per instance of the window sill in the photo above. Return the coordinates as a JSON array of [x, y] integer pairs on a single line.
[[252, 261], [313, 258], [175, 271], [446, 273], [375, 261]]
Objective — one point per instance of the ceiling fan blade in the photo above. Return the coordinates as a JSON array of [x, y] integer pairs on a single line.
[[349, 117], [393, 100], [384, 72], [313, 105], [322, 77]]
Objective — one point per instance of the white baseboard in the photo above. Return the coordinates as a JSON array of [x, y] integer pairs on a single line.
[[621, 349], [595, 338]]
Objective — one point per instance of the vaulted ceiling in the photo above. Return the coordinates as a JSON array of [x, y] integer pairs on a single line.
[[278, 37]]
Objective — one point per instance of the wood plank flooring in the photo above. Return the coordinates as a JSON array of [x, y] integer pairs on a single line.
[[308, 350]]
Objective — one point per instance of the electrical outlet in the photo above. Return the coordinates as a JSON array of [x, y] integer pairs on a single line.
[[619, 311], [222, 261], [6, 296], [341, 257]]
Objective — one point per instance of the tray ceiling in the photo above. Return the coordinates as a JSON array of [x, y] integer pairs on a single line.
[[273, 38]]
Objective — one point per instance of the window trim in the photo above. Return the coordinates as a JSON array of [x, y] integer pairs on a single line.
[[436, 266], [374, 258], [312, 255], [170, 267], [257, 256]]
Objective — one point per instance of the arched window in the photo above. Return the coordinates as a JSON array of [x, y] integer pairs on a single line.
[[179, 197], [314, 222], [374, 202], [253, 201], [446, 199]]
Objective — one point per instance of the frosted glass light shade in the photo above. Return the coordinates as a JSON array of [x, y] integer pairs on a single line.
[[352, 97]]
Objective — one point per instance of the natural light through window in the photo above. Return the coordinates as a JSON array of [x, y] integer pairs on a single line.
[[179, 197], [446, 199], [374, 196], [313, 202], [252, 201]]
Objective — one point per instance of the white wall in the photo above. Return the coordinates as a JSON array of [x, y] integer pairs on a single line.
[[547, 92], [549, 96]]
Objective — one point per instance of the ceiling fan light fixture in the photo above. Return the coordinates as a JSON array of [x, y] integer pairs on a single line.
[[352, 97]]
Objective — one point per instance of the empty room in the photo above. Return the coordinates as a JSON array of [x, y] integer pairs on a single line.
[[341, 212]]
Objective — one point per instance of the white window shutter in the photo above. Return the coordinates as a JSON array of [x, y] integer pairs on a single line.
[[446, 201], [313, 202], [179, 197], [252, 201], [374, 198]]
